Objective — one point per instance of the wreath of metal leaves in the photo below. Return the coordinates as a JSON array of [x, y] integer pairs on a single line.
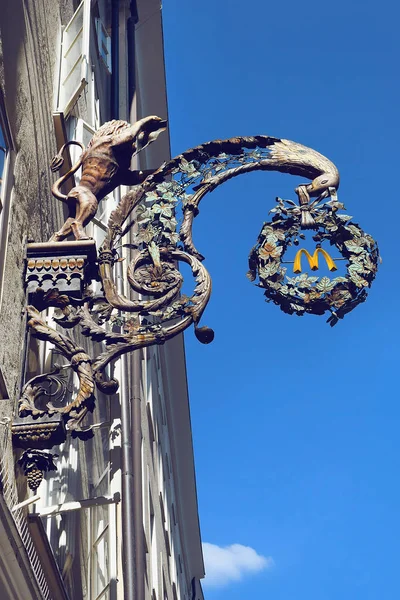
[[303, 293]]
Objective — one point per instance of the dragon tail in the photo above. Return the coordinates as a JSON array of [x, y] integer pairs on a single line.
[[56, 165]]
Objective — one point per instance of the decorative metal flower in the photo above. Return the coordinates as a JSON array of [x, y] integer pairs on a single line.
[[270, 250]]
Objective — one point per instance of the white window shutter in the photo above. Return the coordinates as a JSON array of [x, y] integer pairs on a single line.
[[74, 58]]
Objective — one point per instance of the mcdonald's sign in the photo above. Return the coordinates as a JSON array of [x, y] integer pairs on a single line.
[[313, 260]]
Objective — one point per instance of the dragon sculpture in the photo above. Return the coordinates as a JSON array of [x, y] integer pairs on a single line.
[[105, 165], [164, 204]]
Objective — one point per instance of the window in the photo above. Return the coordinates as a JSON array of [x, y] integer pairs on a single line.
[[85, 55], [104, 44], [167, 465], [5, 185], [165, 595], [173, 513], [74, 58], [4, 160], [174, 591], [167, 542], [100, 579], [162, 507], [3, 388], [3, 156], [150, 422], [152, 516]]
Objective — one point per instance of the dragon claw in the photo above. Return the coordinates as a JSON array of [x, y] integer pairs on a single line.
[[56, 163]]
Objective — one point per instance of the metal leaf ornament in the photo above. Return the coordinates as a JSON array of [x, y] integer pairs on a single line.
[[164, 207]]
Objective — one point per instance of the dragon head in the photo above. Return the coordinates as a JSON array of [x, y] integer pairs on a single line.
[[148, 130]]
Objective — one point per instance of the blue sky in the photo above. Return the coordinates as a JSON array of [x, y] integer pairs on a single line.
[[296, 425]]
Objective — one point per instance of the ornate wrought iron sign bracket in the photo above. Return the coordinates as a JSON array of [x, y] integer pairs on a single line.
[[57, 275], [163, 205]]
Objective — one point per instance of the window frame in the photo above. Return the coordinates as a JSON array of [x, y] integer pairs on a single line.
[[6, 188], [103, 44], [66, 101]]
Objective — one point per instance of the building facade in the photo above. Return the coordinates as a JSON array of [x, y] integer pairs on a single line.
[[118, 517]]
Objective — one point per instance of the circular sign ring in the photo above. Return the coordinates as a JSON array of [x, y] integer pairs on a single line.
[[312, 294]]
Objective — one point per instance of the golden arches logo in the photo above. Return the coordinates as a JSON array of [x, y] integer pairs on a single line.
[[313, 260]]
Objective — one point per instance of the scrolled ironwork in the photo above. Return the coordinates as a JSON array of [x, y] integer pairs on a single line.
[[162, 206], [80, 363], [44, 386]]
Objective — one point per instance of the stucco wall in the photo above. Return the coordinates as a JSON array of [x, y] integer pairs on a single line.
[[29, 34]]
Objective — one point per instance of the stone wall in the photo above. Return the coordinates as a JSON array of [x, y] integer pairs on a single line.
[[30, 33]]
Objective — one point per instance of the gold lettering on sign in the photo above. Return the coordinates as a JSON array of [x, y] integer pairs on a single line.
[[313, 260]]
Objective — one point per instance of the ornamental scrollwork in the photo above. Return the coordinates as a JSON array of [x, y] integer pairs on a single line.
[[79, 362], [155, 219]]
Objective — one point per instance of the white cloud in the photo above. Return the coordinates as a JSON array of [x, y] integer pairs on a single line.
[[231, 563]]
